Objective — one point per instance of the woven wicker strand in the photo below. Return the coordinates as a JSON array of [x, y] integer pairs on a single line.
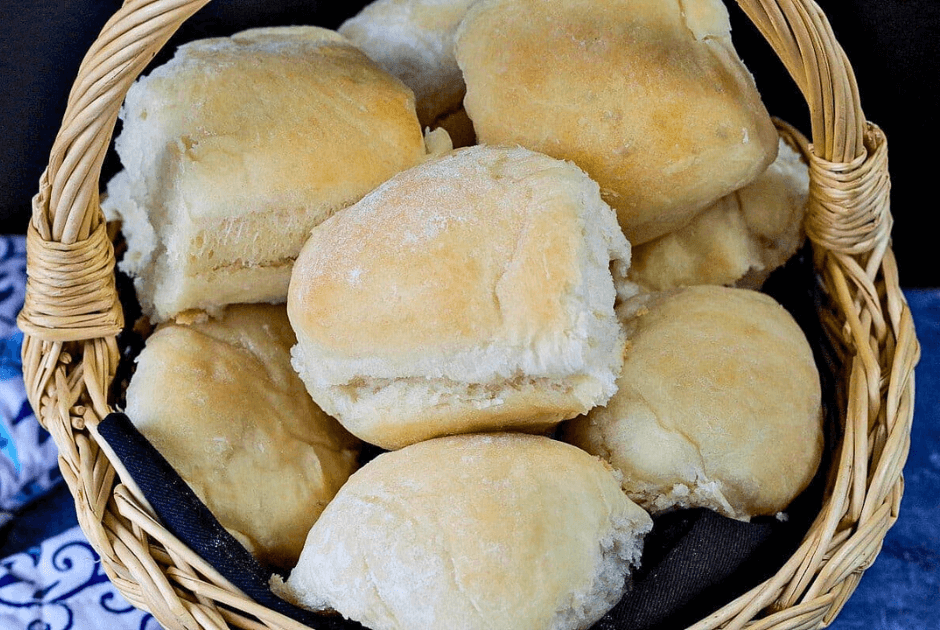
[[71, 319]]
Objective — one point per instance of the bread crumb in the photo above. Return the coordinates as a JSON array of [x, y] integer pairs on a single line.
[[192, 316]]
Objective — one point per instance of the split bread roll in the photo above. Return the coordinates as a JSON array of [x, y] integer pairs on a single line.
[[648, 97], [236, 148], [414, 41], [473, 532], [473, 292], [219, 400], [718, 406], [739, 240]]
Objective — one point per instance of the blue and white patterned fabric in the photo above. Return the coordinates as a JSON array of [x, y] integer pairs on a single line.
[[28, 465], [12, 281], [59, 585]]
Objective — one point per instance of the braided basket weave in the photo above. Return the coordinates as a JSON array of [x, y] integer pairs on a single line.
[[72, 317]]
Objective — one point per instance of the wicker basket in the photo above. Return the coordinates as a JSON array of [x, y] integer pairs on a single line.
[[72, 317]]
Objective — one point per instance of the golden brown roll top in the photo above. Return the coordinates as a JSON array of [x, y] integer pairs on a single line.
[[648, 97], [473, 292], [236, 148]]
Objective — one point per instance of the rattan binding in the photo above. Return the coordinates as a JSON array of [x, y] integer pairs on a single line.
[[72, 316]]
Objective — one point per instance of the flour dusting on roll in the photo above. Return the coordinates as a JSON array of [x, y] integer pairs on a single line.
[[473, 292], [473, 532]]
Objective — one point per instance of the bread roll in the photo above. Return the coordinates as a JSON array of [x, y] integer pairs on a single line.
[[718, 406], [648, 97], [414, 40], [219, 400], [473, 292], [238, 146], [739, 240], [473, 532]]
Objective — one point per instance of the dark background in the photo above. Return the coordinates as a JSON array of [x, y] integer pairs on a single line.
[[892, 45]]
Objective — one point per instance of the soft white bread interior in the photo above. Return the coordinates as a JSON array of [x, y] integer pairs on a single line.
[[238, 146], [473, 292], [219, 400], [718, 406], [475, 531], [649, 97], [739, 240], [414, 41]]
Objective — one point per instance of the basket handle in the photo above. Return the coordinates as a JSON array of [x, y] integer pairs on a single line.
[[127, 43], [848, 218], [800, 34]]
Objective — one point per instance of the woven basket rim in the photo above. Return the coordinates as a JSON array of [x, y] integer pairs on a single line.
[[72, 316]]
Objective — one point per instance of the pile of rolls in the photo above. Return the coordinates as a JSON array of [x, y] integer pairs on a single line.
[[516, 246]]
